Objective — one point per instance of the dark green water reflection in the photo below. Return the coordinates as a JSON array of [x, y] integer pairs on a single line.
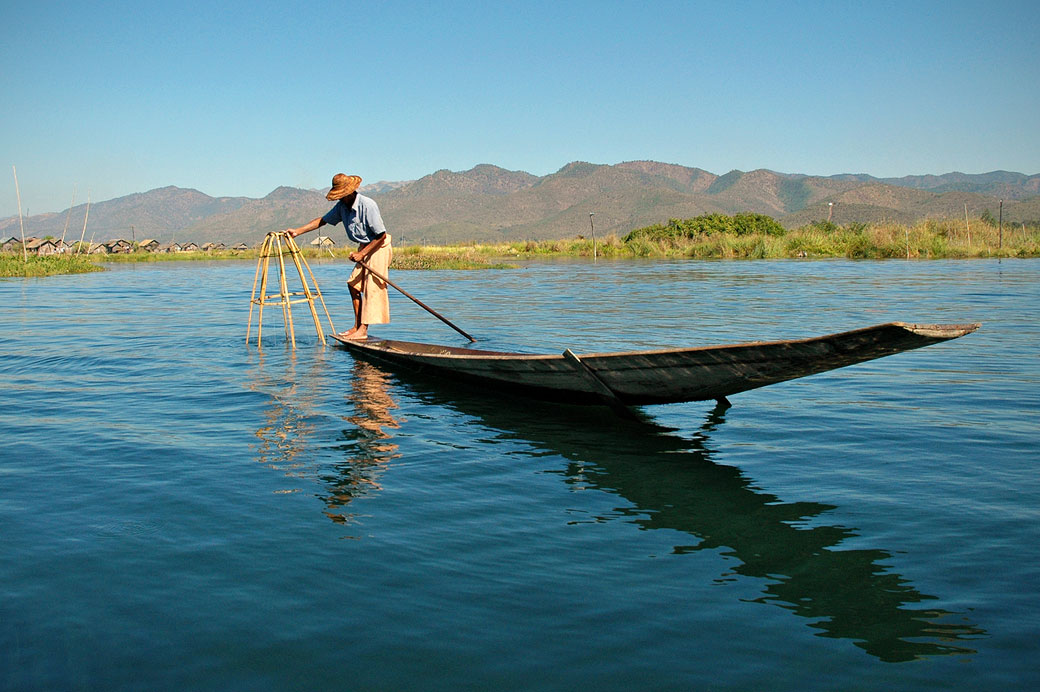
[[673, 483]]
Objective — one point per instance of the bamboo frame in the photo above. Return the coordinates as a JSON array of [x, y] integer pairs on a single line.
[[277, 244]]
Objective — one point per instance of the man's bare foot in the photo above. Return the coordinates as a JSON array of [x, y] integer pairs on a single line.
[[349, 334], [359, 334]]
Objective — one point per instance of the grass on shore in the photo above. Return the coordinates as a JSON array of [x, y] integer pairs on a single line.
[[16, 265], [408, 257], [925, 240]]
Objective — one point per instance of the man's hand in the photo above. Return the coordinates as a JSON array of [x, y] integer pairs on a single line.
[[290, 232], [357, 256]]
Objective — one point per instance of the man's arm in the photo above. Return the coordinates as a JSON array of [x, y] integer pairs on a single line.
[[306, 228], [362, 254]]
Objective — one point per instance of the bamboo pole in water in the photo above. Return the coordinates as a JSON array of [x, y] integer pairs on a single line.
[[87, 214], [21, 224], [295, 256], [300, 262], [69, 215], [317, 290], [256, 277], [283, 296], [265, 259]]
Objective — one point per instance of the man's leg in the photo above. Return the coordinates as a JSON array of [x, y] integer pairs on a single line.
[[356, 298], [375, 306], [360, 330]]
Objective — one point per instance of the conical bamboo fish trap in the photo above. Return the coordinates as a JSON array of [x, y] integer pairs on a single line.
[[276, 245]]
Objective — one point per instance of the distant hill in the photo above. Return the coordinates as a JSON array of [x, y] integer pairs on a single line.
[[161, 214], [381, 187], [285, 207], [489, 204], [1000, 184]]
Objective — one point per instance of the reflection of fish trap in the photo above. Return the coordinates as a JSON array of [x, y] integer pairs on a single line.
[[273, 247]]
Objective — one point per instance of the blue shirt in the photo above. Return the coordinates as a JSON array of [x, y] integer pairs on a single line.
[[361, 220]]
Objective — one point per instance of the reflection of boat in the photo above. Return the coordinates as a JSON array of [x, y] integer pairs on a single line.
[[662, 376], [667, 480]]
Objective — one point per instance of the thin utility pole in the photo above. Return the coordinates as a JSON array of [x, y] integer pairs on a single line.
[[1000, 227], [966, 226], [593, 236], [21, 224]]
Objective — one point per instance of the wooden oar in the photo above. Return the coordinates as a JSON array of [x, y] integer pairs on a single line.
[[418, 302]]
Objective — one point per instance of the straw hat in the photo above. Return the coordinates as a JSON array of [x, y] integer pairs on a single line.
[[343, 185]]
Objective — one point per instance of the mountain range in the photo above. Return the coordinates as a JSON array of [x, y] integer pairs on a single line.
[[492, 204]]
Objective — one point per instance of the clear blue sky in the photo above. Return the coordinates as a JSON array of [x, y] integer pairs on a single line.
[[237, 98]]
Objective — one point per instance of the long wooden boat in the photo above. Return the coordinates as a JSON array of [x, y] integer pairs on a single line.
[[659, 376]]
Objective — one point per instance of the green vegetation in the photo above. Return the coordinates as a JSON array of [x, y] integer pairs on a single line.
[[725, 182], [794, 194], [16, 265], [709, 224], [198, 256], [419, 257], [711, 236], [408, 257], [753, 236]]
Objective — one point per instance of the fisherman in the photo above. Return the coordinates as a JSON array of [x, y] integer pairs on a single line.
[[360, 217]]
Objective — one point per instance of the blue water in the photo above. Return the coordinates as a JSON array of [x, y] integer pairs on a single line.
[[179, 510]]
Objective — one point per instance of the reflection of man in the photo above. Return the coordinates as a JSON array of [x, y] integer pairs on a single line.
[[360, 217], [348, 470], [369, 449], [372, 405]]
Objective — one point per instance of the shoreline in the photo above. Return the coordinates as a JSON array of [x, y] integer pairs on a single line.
[[928, 240]]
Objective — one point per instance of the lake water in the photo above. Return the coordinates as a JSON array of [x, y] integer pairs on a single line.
[[179, 510]]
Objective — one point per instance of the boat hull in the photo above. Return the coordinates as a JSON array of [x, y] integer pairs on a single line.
[[659, 376]]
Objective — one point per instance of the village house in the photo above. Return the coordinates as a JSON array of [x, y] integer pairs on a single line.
[[44, 246], [323, 241], [12, 244], [148, 245], [240, 247], [119, 246], [190, 247]]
